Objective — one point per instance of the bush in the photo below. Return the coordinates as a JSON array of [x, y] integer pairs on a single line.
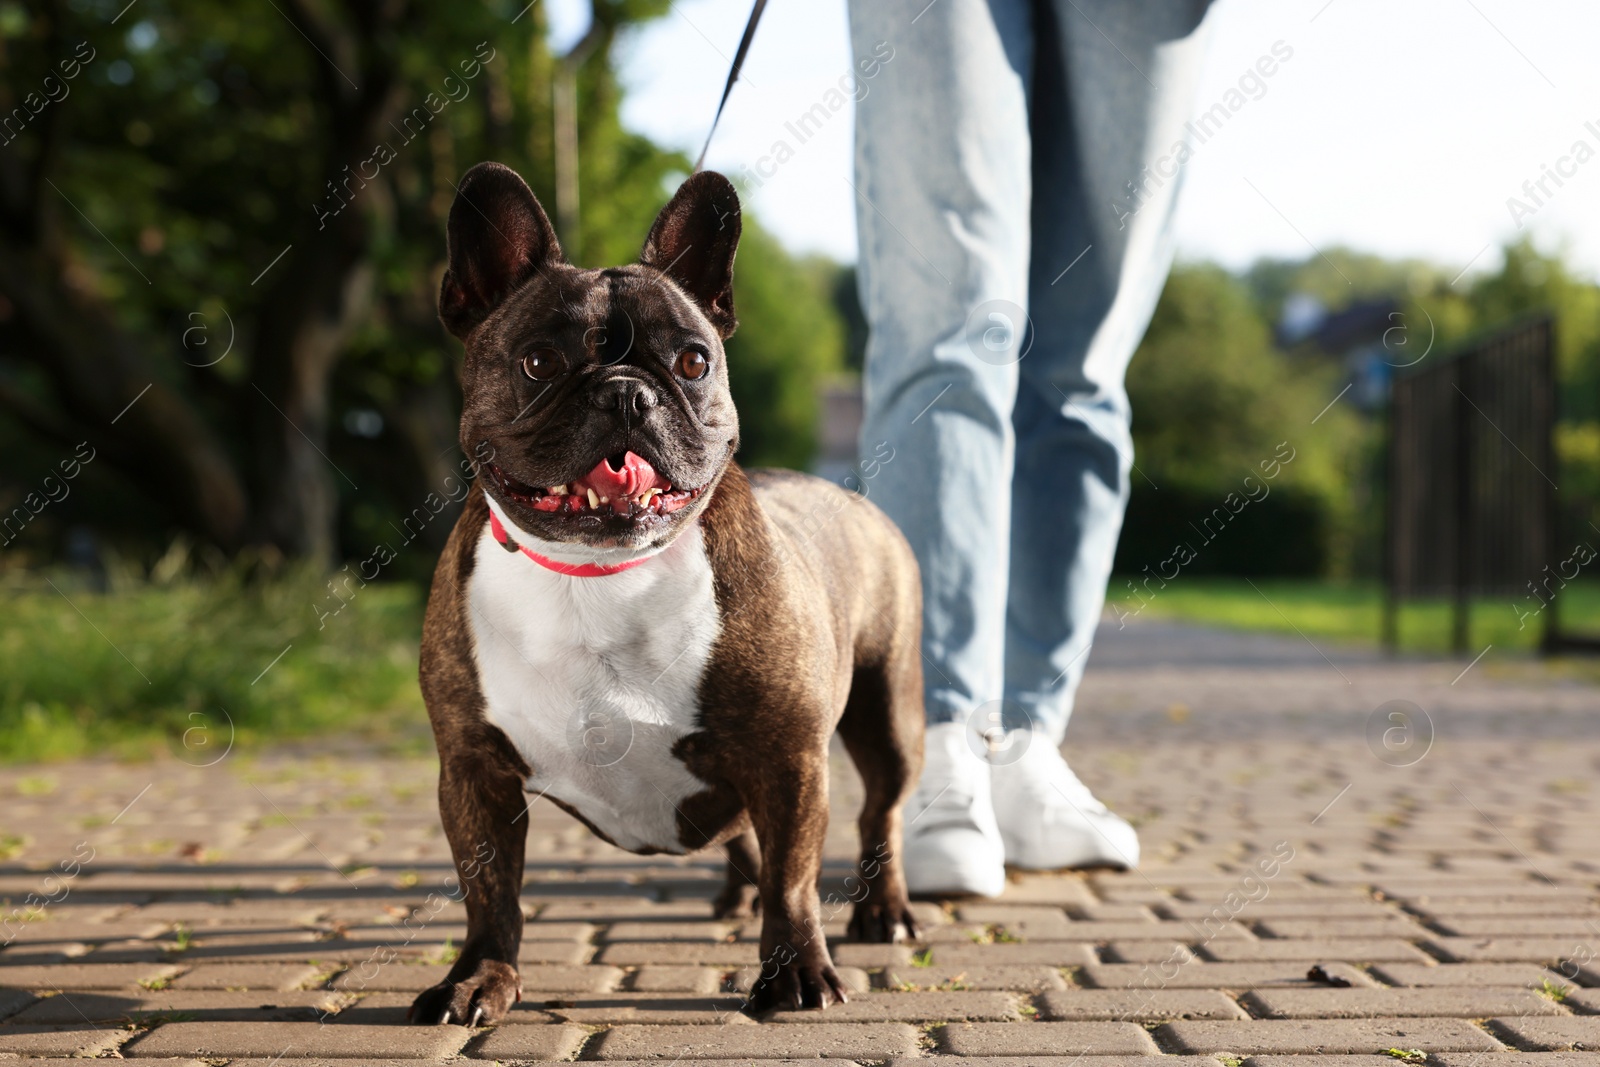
[[790, 339], [1212, 401]]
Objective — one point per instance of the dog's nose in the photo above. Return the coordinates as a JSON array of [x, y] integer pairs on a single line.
[[630, 396]]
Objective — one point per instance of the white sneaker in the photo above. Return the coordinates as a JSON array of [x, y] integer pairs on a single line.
[[1048, 819], [952, 844]]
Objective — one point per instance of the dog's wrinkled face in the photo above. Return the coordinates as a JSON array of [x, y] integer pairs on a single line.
[[599, 397]]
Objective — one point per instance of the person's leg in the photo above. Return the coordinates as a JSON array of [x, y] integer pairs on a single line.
[[1113, 88], [942, 188]]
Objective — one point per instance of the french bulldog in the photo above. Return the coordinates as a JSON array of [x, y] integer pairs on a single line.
[[628, 624]]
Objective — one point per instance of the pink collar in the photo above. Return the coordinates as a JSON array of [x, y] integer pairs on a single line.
[[573, 570]]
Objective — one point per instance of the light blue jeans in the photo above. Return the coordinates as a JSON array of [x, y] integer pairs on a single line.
[[1016, 174]]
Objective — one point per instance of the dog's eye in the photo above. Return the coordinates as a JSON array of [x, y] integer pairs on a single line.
[[543, 364], [692, 364]]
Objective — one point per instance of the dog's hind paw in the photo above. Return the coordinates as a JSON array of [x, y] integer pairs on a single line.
[[882, 922], [736, 902], [480, 998]]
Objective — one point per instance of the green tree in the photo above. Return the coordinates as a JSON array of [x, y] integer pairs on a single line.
[[277, 186], [790, 339], [1212, 399]]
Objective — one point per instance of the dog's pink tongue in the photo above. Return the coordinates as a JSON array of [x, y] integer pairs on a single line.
[[634, 478]]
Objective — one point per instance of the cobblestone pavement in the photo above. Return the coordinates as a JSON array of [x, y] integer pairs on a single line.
[[1347, 858]]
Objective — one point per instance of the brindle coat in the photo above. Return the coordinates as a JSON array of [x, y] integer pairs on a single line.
[[816, 591]]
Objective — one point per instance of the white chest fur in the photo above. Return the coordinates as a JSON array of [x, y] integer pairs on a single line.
[[595, 679]]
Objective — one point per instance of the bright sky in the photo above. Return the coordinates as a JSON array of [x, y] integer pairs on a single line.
[[1397, 127]]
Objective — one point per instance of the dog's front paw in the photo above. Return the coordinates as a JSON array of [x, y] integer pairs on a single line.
[[797, 981], [882, 922], [482, 997]]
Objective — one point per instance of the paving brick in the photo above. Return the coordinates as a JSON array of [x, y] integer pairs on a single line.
[[1145, 952], [376, 976], [1008, 913], [1562, 926], [387, 1009], [870, 955], [1042, 1061], [1187, 931], [962, 933], [1049, 953], [299, 1040], [202, 913], [1521, 888], [1201, 975], [1105, 911], [56, 931], [611, 1009], [558, 931], [1585, 1001], [675, 979], [1033, 978], [1342, 1061], [82, 1040], [1548, 950], [743, 1039], [551, 1042], [86, 975], [1446, 1002], [554, 952], [619, 908], [834, 928], [855, 979], [1507, 975], [1045, 1039], [1136, 1005], [1401, 859], [1579, 1033], [666, 931], [248, 976], [1517, 907], [712, 953], [1328, 929], [911, 1008], [31, 1061], [49, 956], [1271, 909], [1355, 950], [1067, 890], [1520, 1059], [1306, 1036], [1036, 922], [13, 1001], [67, 1009]]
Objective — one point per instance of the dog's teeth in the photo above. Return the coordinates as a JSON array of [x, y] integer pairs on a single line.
[[594, 498], [558, 490]]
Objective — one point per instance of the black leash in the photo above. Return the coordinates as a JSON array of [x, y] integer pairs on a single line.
[[733, 76]]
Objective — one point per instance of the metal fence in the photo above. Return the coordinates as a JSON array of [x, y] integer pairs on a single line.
[[1471, 493]]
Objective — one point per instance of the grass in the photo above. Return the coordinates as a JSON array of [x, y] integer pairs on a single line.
[[1553, 990], [188, 663], [191, 664], [1348, 612]]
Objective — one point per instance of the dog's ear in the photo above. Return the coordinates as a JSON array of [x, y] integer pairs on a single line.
[[694, 241], [499, 237]]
